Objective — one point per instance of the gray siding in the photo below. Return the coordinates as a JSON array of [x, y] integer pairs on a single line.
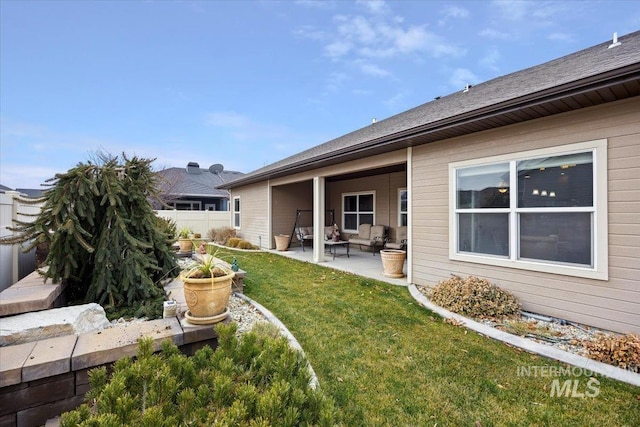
[[612, 304]]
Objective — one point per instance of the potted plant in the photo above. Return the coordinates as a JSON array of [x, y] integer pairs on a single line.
[[184, 239], [207, 288]]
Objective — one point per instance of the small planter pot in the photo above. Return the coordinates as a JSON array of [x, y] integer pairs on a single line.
[[207, 298], [393, 262], [282, 242], [186, 245]]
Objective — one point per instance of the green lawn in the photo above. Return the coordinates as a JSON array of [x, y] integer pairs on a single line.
[[389, 362]]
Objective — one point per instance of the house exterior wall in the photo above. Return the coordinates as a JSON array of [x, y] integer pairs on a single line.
[[254, 213], [611, 304], [285, 200], [385, 187]]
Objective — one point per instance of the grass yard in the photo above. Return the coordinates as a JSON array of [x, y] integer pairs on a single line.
[[389, 362]]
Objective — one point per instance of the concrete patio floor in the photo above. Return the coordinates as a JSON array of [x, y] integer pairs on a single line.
[[359, 262]]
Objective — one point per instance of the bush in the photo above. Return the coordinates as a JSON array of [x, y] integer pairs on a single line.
[[257, 380], [233, 242], [243, 244], [621, 350], [474, 297], [221, 235]]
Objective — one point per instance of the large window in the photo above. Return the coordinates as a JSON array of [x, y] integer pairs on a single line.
[[236, 212], [541, 210], [402, 207], [358, 208]]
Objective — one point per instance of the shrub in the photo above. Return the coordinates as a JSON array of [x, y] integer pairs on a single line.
[[105, 241], [243, 244], [474, 297], [257, 380], [233, 242], [221, 235], [620, 350]]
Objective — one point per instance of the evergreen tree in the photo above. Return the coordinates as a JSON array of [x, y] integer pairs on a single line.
[[105, 241]]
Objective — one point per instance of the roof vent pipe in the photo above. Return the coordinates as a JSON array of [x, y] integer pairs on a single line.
[[466, 88], [615, 41], [373, 121]]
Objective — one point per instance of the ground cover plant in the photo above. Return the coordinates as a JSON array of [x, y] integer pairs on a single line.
[[386, 361], [256, 380]]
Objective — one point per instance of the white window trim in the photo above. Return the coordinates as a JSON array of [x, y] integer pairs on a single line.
[[600, 269], [400, 190], [357, 193], [239, 212]]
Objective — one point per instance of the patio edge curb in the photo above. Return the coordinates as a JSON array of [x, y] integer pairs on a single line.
[[529, 345], [313, 383]]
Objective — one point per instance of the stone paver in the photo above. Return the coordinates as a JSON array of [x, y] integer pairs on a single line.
[[49, 357], [11, 361], [29, 294], [109, 345]]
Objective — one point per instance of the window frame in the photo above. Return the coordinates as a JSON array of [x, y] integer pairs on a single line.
[[357, 211], [400, 212], [237, 217], [599, 210]]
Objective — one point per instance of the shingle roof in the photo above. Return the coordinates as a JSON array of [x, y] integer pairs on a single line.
[[178, 182], [545, 89]]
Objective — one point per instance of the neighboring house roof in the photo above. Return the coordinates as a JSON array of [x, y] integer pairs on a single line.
[[194, 181], [586, 78], [29, 192]]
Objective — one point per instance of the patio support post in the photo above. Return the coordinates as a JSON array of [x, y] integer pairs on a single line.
[[318, 218]]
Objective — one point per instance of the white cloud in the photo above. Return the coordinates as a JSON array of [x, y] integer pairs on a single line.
[[494, 34], [227, 119], [371, 69], [561, 37], [491, 58], [452, 12], [512, 10], [462, 77], [337, 49], [374, 6]]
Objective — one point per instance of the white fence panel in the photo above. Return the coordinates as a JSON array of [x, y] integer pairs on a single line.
[[13, 263], [198, 221]]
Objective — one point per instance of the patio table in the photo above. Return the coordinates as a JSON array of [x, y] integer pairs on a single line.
[[334, 245]]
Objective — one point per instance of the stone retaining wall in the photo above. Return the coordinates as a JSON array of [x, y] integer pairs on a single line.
[[42, 379]]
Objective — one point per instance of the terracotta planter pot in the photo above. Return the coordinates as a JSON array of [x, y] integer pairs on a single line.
[[207, 299], [186, 245], [282, 242], [392, 262]]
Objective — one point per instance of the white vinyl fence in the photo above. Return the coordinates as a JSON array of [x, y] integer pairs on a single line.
[[198, 221], [14, 264]]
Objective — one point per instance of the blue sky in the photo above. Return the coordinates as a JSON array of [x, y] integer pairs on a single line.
[[248, 83]]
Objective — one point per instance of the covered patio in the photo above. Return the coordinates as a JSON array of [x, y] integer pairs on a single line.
[[359, 262]]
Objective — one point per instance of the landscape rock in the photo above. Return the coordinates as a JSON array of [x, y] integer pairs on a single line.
[[56, 322]]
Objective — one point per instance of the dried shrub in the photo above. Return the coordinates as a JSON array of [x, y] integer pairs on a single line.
[[620, 350], [221, 235], [243, 244], [233, 242], [474, 297]]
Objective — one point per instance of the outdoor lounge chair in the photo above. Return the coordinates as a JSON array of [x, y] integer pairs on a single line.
[[400, 241], [370, 236]]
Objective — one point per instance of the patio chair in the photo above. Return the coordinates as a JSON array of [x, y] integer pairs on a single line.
[[400, 241], [370, 236], [306, 234]]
